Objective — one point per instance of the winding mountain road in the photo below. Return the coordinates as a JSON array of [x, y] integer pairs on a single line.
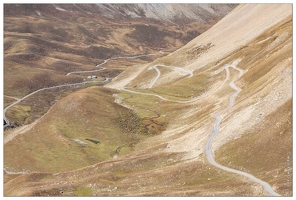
[[29, 126], [226, 68], [208, 148]]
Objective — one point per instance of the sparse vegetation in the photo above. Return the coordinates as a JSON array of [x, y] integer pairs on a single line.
[[83, 192], [249, 152], [97, 141]]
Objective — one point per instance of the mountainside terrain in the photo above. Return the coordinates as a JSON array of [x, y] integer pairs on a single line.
[[180, 14], [213, 118], [45, 42]]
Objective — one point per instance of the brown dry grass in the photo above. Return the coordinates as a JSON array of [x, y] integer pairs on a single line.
[[142, 175], [50, 142], [148, 168], [76, 43], [38, 51], [264, 150]]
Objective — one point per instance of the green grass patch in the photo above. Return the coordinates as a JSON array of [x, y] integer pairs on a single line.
[[143, 104], [83, 191], [184, 89], [18, 114]]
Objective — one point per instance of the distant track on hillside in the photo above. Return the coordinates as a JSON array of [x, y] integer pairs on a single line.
[[42, 89], [114, 58], [24, 128], [15, 98], [78, 72], [208, 148]]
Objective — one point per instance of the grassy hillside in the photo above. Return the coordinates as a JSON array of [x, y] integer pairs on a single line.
[[114, 142], [42, 44], [83, 128]]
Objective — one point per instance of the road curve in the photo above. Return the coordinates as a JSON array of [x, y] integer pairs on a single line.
[[157, 76], [166, 66], [226, 68], [208, 148]]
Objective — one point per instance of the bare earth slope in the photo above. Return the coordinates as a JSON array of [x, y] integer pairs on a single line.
[[226, 97]]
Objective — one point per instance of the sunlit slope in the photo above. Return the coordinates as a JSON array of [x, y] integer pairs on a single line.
[[46, 41], [83, 128], [259, 38], [232, 33], [255, 133]]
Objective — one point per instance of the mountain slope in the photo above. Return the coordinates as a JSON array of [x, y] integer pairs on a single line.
[[181, 14], [244, 54], [262, 48], [215, 45], [45, 42]]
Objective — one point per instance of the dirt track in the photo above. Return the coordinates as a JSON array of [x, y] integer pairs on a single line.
[[171, 67], [208, 148]]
